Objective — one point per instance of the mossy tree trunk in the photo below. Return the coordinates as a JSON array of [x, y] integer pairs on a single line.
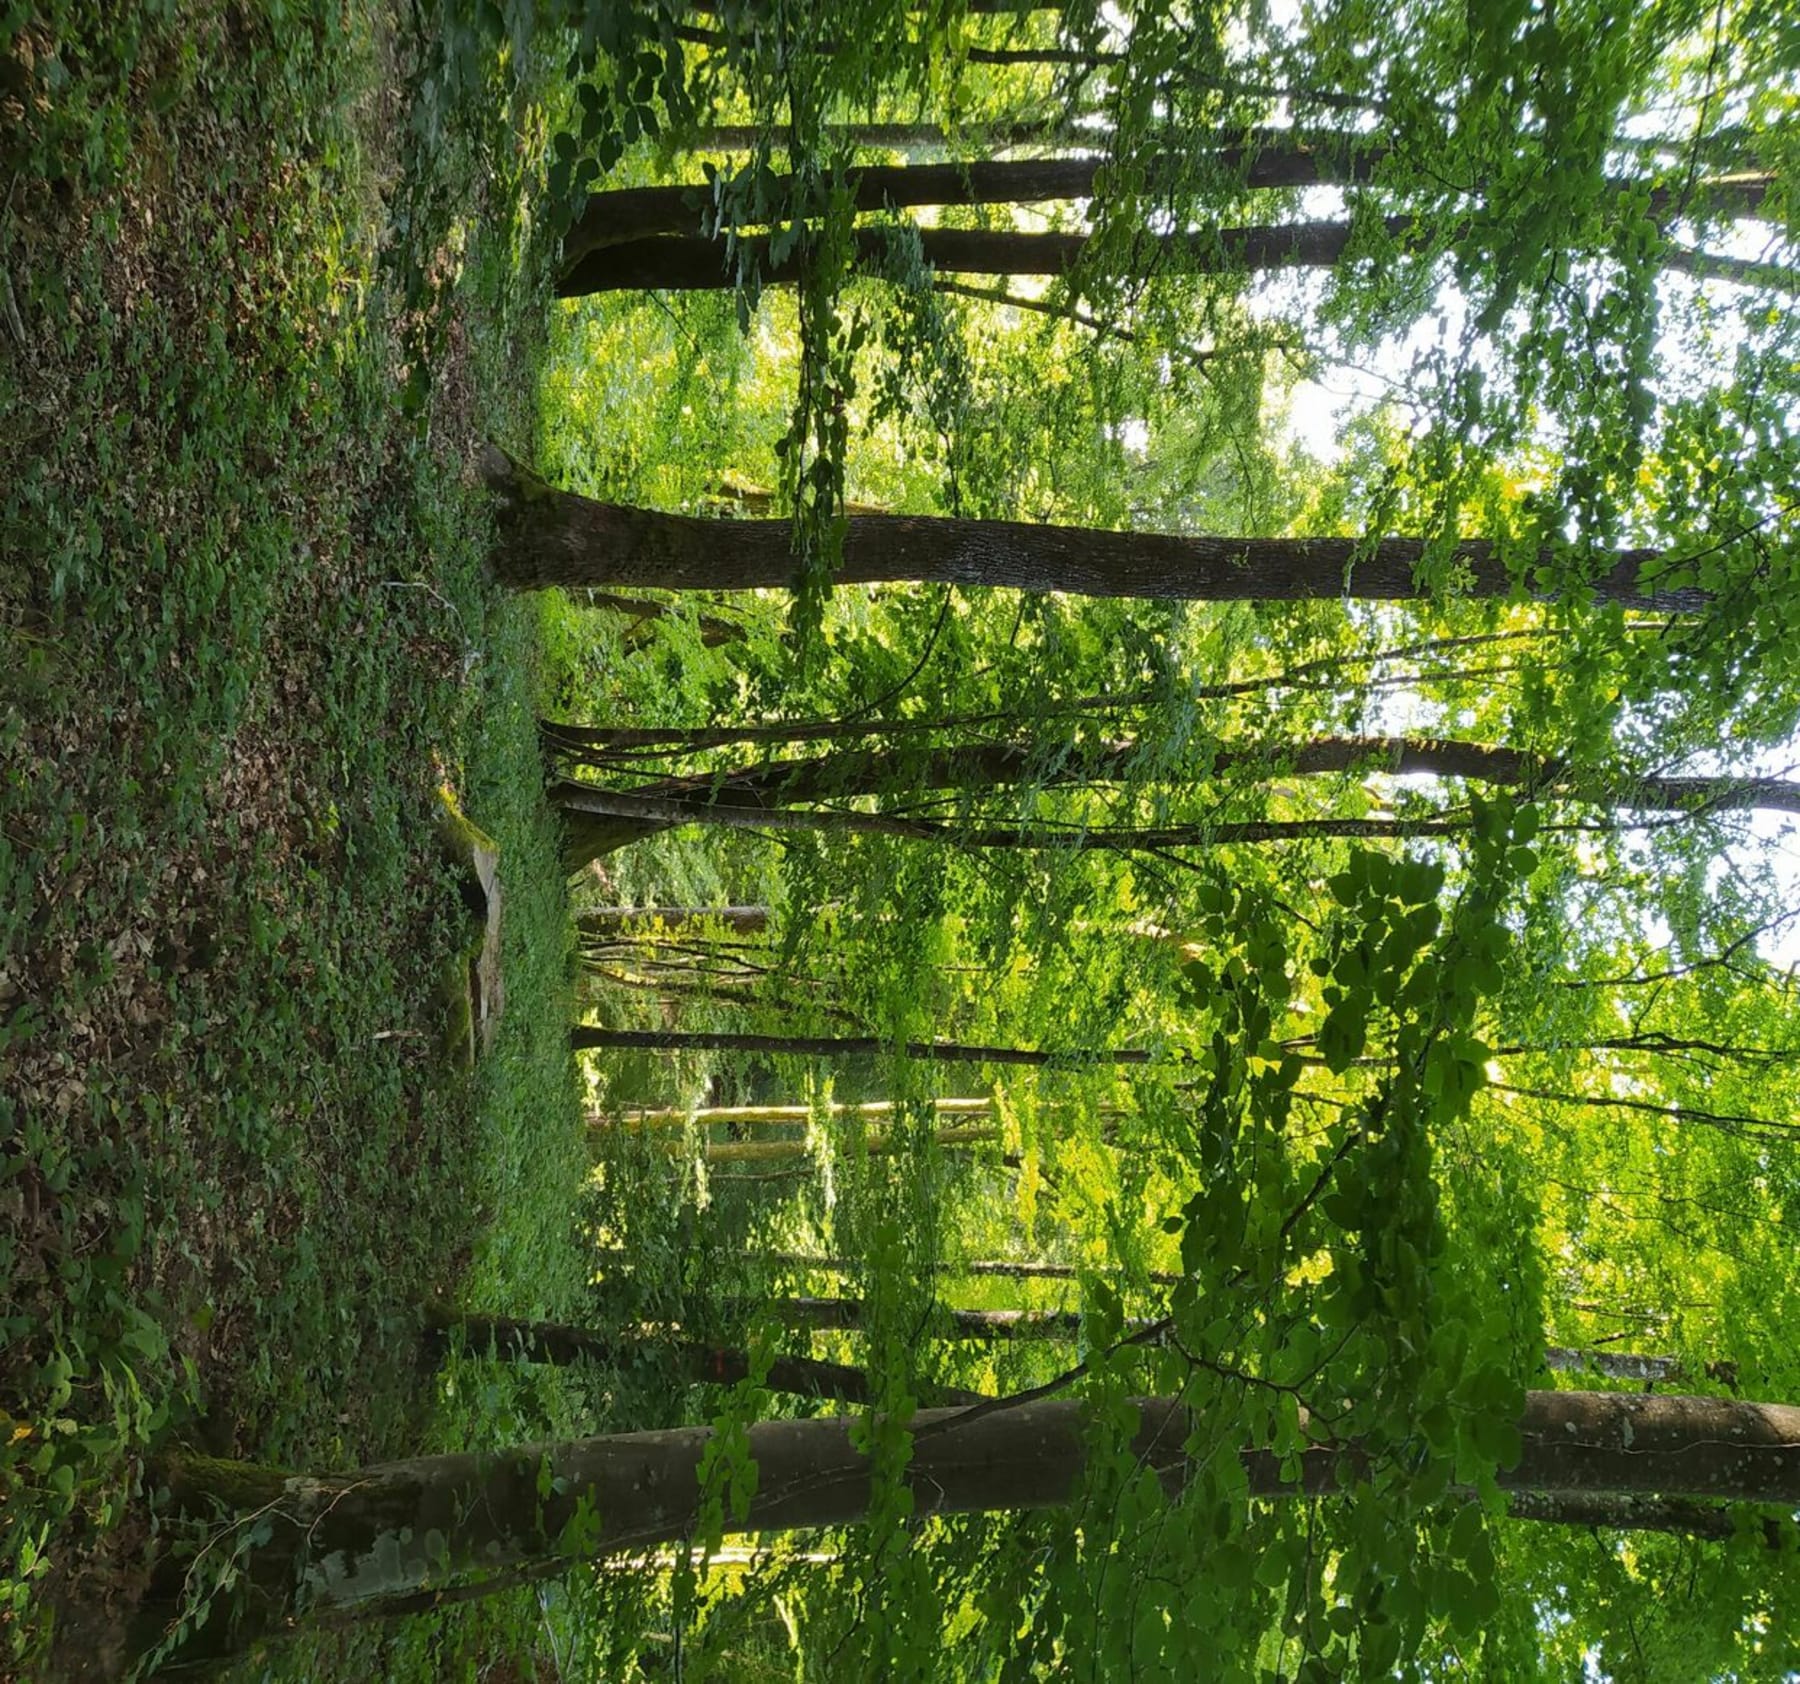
[[325, 1544]]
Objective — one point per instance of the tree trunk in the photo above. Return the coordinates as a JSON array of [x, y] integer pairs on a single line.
[[691, 262], [694, 263], [1074, 57], [850, 1315], [635, 213], [620, 920], [894, 137], [1680, 1516], [713, 630], [588, 1038], [878, 1145], [998, 1270], [636, 816], [1614, 1365], [780, 784], [392, 1529], [559, 538], [737, 1116], [598, 820], [563, 1346]]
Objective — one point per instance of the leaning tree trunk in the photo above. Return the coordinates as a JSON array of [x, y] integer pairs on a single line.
[[329, 1542], [1681, 1516], [551, 537]]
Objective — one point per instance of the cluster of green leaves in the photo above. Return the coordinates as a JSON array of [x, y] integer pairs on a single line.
[[1397, 1161], [624, 65], [1423, 1306]]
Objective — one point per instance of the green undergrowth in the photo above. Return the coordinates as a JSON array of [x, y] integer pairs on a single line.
[[253, 324]]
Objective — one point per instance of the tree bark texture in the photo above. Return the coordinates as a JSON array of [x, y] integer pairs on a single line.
[[693, 263], [850, 1315], [562, 1345], [635, 213], [871, 772], [589, 1038], [643, 815], [953, 1266], [1614, 1365], [665, 260], [554, 537], [603, 921], [1265, 159], [1680, 1516], [339, 1540], [882, 1144], [676, 1117]]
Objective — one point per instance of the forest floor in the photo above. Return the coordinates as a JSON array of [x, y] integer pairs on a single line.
[[258, 306]]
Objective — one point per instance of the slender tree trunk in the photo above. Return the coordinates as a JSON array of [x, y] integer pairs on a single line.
[[559, 1344], [672, 990], [1614, 1365], [997, 1270], [391, 1530], [621, 920], [634, 817], [1268, 159], [1075, 58], [1559, 1359], [880, 1145], [850, 1315], [1740, 271], [597, 820], [713, 630], [1680, 1516], [1011, 9], [588, 1038], [559, 538], [983, 138], [1728, 150], [847, 773], [675, 1116], [644, 815]]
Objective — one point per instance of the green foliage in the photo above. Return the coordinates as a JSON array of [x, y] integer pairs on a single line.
[[246, 633], [1419, 1102]]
